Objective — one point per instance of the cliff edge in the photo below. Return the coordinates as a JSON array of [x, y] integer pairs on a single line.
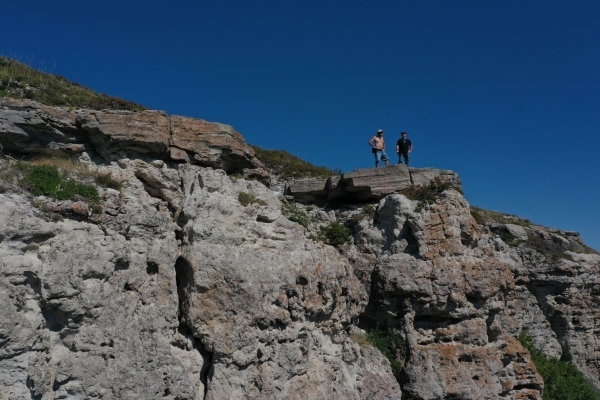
[[177, 274]]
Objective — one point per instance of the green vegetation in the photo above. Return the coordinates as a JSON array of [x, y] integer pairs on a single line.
[[387, 342], [428, 194], [46, 180], [295, 215], [289, 167], [246, 198], [487, 216], [107, 181], [509, 238], [336, 234], [562, 381], [475, 213], [20, 81]]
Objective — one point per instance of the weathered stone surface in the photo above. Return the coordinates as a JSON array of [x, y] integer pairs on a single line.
[[95, 308], [517, 231], [279, 279], [27, 127], [567, 295], [214, 145], [440, 285], [422, 176], [232, 302], [138, 132], [365, 184], [175, 290], [308, 190], [376, 183]]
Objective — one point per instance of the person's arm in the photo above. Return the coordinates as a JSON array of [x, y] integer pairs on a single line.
[[397, 148], [383, 145], [411, 148], [371, 142]]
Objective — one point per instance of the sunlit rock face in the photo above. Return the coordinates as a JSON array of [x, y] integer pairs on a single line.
[[28, 127], [177, 290], [172, 288], [440, 283]]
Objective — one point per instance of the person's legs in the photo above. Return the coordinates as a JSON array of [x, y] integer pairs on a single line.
[[405, 155], [377, 158], [385, 158]]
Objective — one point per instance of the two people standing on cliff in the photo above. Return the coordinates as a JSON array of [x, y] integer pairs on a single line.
[[403, 148]]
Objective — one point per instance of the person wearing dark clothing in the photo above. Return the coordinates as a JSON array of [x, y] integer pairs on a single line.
[[403, 147]]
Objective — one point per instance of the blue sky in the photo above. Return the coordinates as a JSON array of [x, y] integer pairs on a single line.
[[506, 93]]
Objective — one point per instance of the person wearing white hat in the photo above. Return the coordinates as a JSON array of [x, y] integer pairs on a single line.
[[378, 148]]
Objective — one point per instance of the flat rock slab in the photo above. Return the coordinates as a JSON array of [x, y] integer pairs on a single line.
[[367, 184], [308, 190], [376, 183]]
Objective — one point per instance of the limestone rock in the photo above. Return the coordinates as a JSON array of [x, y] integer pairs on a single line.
[[230, 302], [422, 176], [171, 288], [374, 183], [95, 309], [308, 190], [213, 144], [27, 127], [298, 296], [440, 285], [517, 231], [365, 184], [141, 132]]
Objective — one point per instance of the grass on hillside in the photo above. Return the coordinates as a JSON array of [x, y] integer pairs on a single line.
[[20, 81], [289, 167], [488, 216], [59, 178], [46, 180], [562, 381]]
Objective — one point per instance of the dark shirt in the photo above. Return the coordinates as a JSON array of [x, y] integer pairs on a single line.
[[403, 145]]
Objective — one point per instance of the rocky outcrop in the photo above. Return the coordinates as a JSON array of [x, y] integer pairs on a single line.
[[365, 184], [559, 306], [27, 127], [174, 288], [177, 291], [440, 283]]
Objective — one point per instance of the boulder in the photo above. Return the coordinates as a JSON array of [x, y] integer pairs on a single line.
[[561, 241], [516, 230]]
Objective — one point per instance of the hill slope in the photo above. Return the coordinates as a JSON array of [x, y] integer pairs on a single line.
[[20, 81]]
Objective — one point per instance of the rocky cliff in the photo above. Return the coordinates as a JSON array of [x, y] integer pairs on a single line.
[[189, 283]]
